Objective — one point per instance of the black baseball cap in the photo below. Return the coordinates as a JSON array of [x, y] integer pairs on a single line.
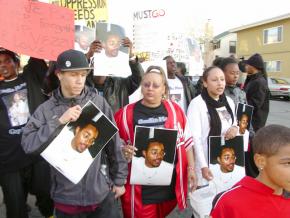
[[72, 60], [12, 54]]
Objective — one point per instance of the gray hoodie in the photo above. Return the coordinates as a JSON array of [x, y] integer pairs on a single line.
[[44, 125]]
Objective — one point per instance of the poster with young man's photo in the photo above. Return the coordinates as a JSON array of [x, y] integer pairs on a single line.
[[244, 117], [113, 60], [226, 161], [155, 155], [84, 36], [73, 150]]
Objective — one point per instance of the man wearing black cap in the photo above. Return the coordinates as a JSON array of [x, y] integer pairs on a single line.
[[20, 94], [94, 195], [257, 91]]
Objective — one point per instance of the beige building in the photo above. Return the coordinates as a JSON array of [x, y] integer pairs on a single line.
[[270, 38]]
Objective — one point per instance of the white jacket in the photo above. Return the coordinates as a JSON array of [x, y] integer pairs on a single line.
[[199, 125]]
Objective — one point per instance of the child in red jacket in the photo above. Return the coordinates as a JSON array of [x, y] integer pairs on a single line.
[[262, 196]]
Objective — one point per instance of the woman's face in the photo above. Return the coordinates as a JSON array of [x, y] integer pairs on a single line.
[[215, 83], [152, 87], [232, 73]]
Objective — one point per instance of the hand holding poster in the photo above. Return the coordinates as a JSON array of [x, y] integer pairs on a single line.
[[74, 149], [37, 29], [226, 162], [154, 160], [244, 117]]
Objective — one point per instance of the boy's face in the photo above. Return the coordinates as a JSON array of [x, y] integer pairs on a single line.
[[72, 83], [277, 169]]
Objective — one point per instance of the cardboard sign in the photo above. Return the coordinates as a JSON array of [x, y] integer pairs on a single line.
[[88, 11], [36, 29]]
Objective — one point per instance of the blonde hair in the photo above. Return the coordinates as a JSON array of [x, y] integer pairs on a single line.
[[159, 70]]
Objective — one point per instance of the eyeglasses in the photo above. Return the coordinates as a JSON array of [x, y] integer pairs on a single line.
[[156, 153], [227, 158], [147, 85]]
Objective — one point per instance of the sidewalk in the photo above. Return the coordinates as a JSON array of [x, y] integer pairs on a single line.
[[34, 213]]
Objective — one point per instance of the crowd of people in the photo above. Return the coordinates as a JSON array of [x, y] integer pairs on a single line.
[[36, 104]]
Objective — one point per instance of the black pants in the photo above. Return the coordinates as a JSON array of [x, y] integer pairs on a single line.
[[34, 179], [107, 209], [14, 195]]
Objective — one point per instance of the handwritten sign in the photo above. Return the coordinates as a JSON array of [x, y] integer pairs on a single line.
[[151, 42], [36, 29], [88, 10]]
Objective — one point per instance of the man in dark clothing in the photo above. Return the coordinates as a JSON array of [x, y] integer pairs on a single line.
[[257, 91], [20, 94], [94, 194], [179, 85]]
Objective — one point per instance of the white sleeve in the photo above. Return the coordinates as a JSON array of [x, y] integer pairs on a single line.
[[188, 139], [194, 118]]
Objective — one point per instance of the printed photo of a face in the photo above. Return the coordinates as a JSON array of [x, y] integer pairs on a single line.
[[84, 36], [243, 123], [73, 150], [85, 137], [154, 161], [227, 154], [227, 159], [111, 36], [154, 153], [244, 117], [112, 45]]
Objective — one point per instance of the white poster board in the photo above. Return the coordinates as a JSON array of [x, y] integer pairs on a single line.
[[158, 31], [154, 160], [75, 147]]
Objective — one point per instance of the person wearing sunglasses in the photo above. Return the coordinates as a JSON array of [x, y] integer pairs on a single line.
[[154, 110]]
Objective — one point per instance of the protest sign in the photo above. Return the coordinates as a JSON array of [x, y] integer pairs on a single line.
[[154, 160], [91, 11], [73, 150], [244, 114], [158, 32], [36, 29], [113, 60]]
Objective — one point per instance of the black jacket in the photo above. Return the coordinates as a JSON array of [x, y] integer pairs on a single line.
[[117, 89], [189, 90], [257, 92], [12, 157]]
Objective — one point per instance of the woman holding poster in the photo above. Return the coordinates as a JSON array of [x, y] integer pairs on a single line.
[[209, 114], [154, 111]]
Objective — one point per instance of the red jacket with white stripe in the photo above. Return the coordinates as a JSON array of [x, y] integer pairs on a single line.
[[132, 199]]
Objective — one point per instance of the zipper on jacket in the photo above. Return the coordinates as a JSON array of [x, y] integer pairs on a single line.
[[72, 102]]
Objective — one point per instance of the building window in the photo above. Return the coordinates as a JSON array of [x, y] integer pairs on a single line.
[[273, 35], [273, 66], [232, 46], [217, 45]]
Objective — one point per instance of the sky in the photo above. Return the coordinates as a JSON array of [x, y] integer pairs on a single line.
[[226, 14]]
